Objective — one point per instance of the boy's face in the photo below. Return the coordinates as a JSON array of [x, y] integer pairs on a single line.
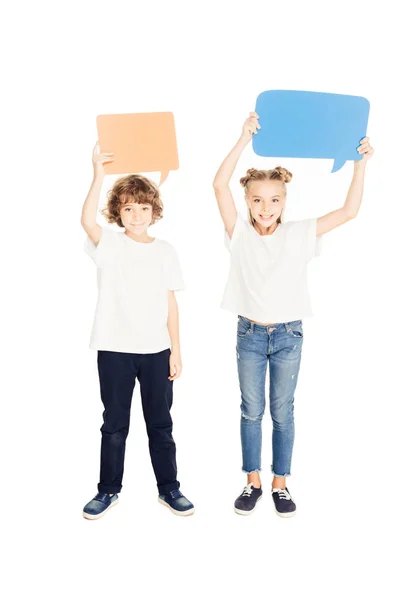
[[266, 200], [135, 217]]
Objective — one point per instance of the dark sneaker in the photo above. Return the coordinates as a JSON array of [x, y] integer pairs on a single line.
[[245, 504], [100, 504], [284, 505], [177, 503]]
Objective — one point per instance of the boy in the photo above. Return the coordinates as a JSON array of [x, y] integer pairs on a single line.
[[135, 331]]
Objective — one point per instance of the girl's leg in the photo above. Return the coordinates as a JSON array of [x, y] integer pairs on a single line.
[[285, 358], [252, 367]]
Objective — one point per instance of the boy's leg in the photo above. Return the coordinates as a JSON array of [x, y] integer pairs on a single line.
[[117, 372], [156, 392]]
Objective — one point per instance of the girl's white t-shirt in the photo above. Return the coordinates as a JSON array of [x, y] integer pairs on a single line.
[[268, 274], [133, 280]]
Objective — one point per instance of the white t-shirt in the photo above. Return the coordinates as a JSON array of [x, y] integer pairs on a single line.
[[268, 274], [133, 280]]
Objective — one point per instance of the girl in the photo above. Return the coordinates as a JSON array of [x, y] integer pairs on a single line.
[[267, 288]]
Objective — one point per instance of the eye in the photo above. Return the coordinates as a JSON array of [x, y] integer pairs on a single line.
[[276, 200], [257, 200], [145, 208], [127, 208]]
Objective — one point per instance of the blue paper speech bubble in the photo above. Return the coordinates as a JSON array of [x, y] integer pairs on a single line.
[[310, 125]]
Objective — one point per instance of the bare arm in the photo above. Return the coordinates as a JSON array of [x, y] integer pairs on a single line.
[[354, 196], [175, 361], [90, 206], [221, 181]]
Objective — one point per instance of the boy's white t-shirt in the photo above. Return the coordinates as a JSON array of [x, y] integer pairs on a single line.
[[268, 274], [133, 280]]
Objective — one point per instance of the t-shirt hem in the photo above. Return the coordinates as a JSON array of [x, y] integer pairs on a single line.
[[132, 350], [268, 319]]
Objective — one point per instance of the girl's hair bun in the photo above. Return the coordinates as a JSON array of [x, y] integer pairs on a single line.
[[250, 174], [284, 174], [279, 173]]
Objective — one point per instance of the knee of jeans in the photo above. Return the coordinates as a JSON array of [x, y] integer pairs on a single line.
[[282, 420], [251, 417]]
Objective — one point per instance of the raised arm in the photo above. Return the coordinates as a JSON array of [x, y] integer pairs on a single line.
[[90, 206], [354, 196], [221, 181]]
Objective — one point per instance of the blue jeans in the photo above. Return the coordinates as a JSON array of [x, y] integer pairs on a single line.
[[281, 343]]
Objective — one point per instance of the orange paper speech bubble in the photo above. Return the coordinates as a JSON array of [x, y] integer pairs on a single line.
[[141, 142]]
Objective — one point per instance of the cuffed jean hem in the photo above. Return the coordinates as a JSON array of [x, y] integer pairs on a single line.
[[168, 487], [277, 475], [108, 489], [252, 471]]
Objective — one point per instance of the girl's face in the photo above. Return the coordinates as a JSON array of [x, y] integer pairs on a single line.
[[266, 200], [135, 217]]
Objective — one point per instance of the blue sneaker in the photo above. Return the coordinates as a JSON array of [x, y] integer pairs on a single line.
[[246, 503], [100, 504], [284, 505], [177, 503]]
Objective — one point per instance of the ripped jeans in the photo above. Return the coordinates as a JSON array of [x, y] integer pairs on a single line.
[[281, 344]]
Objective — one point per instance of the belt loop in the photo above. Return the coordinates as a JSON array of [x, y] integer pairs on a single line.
[[287, 327], [251, 327]]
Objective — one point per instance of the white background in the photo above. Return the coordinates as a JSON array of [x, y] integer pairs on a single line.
[[63, 65]]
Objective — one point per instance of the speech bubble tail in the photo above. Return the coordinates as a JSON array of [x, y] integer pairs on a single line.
[[164, 175], [337, 164]]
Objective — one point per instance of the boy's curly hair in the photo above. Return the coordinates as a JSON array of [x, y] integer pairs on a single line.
[[132, 188], [279, 174]]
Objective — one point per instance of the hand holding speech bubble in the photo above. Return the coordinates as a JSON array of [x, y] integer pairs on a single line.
[[299, 124], [141, 142]]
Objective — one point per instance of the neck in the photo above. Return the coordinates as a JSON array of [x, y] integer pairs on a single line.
[[143, 237], [265, 230]]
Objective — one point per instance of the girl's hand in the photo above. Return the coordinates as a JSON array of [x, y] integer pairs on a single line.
[[250, 127], [175, 365], [365, 149], [99, 160]]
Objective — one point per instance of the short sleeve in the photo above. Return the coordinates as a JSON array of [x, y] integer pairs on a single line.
[[173, 272], [239, 228], [304, 238], [105, 247], [312, 243]]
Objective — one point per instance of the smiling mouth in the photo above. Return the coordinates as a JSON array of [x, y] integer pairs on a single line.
[[266, 218]]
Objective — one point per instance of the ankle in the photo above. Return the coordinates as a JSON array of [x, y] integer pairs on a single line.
[[279, 483], [254, 478]]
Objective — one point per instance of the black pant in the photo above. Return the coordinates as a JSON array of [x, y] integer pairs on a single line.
[[117, 373]]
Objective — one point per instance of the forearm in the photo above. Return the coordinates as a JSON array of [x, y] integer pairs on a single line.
[[91, 204], [355, 193], [173, 322], [228, 166]]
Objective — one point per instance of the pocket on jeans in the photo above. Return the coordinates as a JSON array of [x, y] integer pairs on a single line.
[[242, 329], [296, 329]]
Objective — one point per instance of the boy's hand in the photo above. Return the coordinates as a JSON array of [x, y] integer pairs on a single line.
[[99, 160], [175, 365], [250, 127], [365, 149]]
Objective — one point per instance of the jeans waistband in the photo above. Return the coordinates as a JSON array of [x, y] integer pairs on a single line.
[[265, 328]]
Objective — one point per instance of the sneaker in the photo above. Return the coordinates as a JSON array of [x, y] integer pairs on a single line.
[[284, 505], [100, 504], [177, 503], [245, 504]]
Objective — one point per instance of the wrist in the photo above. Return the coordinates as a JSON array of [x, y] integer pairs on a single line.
[[243, 141], [359, 165], [98, 177]]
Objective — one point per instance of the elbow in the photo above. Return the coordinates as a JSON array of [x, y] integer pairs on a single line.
[[219, 185]]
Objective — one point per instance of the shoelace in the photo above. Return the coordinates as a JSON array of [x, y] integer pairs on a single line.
[[283, 494], [176, 494], [248, 490]]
